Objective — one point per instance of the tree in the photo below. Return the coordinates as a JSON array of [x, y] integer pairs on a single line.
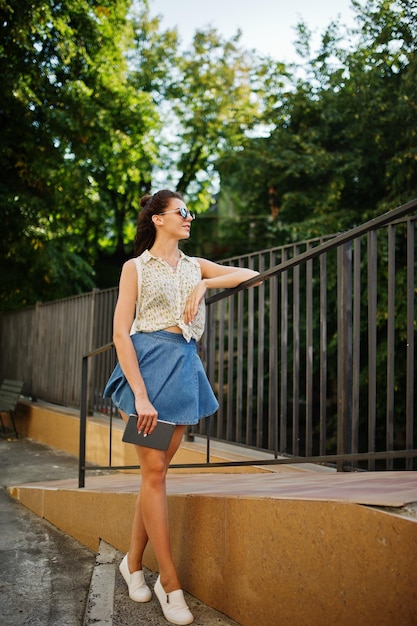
[[97, 103], [215, 100], [77, 142], [343, 143]]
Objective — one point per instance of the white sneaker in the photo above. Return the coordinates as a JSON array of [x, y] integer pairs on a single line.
[[138, 589], [173, 605]]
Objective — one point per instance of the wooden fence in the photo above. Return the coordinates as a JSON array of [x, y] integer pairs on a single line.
[[44, 345]]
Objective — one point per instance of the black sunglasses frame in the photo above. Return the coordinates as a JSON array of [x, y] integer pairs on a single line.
[[185, 213]]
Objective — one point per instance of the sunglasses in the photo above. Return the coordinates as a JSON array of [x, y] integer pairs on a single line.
[[183, 212]]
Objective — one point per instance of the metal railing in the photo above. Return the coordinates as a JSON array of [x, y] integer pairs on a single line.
[[318, 363], [332, 367]]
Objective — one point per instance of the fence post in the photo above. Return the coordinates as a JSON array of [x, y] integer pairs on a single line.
[[344, 350], [83, 421], [210, 358], [410, 341], [37, 353], [372, 341]]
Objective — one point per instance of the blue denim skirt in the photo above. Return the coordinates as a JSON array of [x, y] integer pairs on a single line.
[[174, 376]]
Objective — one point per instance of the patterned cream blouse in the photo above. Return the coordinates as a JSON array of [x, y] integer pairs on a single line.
[[163, 293]]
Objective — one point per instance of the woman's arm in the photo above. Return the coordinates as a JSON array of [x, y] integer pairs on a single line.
[[214, 276], [123, 317], [218, 276]]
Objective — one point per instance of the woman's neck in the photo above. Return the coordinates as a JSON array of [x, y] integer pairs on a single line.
[[169, 253]]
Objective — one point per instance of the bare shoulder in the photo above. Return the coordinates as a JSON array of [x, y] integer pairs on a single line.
[[129, 267], [129, 273]]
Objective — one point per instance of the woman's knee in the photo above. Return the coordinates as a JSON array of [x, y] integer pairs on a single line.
[[154, 471]]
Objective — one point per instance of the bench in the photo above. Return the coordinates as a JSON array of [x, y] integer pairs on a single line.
[[10, 391]]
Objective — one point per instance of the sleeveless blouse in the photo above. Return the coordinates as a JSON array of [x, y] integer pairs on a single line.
[[163, 293]]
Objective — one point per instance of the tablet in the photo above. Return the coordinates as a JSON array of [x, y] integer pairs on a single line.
[[159, 438]]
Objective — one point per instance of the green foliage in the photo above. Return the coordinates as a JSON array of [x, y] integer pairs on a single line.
[[343, 143], [213, 103], [50, 269], [77, 142], [99, 105]]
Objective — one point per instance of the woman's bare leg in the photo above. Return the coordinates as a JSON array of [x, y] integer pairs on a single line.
[[138, 540], [139, 535], [154, 509]]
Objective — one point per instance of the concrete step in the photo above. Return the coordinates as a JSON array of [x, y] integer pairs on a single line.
[[109, 605], [292, 546]]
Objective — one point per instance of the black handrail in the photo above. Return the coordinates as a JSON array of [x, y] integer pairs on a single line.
[[312, 253]]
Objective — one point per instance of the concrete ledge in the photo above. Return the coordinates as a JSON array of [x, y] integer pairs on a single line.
[[260, 560], [59, 428]]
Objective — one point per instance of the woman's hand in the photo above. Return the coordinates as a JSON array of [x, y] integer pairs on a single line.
[[193, 301], [147, 416]]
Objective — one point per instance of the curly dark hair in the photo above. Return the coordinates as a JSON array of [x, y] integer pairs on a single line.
[[145, 228]]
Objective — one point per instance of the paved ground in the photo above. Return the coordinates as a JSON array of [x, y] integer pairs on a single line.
[[45, 575], [49, 579]]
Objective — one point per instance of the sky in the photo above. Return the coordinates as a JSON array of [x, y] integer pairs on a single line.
[[266, 25]]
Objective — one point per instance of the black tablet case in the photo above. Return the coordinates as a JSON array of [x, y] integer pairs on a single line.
[[159, 438]]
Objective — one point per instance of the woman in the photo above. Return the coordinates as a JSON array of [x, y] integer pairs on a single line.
[[159, 373]]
